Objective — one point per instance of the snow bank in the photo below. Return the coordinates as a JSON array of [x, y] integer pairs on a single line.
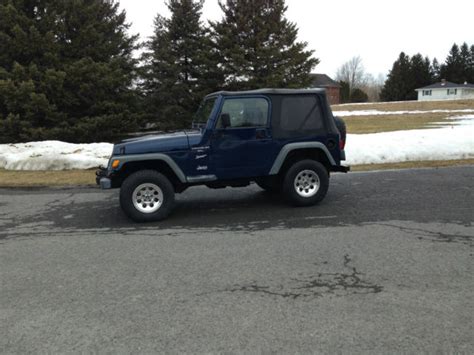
[[378, 112], [455, 141], [53, 155], [447, 143]]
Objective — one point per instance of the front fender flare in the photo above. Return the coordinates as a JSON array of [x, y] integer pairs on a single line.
[[147, 157]]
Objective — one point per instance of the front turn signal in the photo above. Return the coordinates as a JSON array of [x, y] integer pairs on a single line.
[[115, 164]]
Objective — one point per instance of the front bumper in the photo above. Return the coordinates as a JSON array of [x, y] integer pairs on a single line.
[[102, 178]]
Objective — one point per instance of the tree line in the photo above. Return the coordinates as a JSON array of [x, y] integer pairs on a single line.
[[67, 69], [410, 73], [407, 74]]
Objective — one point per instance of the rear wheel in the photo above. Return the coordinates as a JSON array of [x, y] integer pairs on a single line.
[[306, 183], [147, 196]]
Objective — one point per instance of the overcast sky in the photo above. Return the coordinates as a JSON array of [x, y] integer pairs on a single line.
[[376, 30]]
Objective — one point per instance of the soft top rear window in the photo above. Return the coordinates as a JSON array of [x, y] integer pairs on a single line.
[[297, 115]]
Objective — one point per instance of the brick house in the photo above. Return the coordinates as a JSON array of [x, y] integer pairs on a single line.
[[325, 82]]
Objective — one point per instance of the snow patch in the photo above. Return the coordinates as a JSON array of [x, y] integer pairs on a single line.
[[53, 155], [447, 143]]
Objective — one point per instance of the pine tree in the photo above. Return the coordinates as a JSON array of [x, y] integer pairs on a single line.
[[471, 66], [358, 95], [259, 46], [421, 75], [453, 68], [30, 82], [345, 92], [180, 65], [66, 71], [427, 73], [465, 63], [399, 83]]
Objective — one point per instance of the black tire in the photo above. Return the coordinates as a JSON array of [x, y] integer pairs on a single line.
[[341, 126], [158, 202], [315, 172], [270, 184]]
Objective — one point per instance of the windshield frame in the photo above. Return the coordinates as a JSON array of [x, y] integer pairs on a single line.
[[204, 112]]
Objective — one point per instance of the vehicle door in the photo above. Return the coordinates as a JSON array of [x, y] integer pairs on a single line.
[[241, 141]]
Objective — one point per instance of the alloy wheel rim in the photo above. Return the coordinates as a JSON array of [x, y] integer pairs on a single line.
[[147, 198], [306, 183]]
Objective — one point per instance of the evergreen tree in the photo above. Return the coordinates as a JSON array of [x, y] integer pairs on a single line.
[[66, 71], [421, 75], [465, 57], [355, 95], [471, 66], [259, 46], [180, 65], [345, 92], [359, 95], [454, 68], [399, 83], [30, 82]]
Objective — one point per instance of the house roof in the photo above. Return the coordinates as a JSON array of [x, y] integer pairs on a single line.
[[322, 80], [447, 85]]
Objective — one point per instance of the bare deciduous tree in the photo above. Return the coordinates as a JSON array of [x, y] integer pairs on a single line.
[[373, 86], [353, 73]]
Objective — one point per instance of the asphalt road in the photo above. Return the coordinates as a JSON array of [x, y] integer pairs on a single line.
[[384, 264]]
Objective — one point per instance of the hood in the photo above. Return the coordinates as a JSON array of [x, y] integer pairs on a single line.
[[154, 143]]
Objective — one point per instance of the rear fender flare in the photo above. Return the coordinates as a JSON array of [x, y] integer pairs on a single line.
[[280, 159]]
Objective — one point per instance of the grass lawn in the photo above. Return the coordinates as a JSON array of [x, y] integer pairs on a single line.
[[408, 106], [17, 178], [389, 123], [355, 125]]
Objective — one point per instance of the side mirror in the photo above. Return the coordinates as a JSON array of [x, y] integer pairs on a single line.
[[225, 119]]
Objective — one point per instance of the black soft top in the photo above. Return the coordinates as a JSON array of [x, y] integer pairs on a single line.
[[269, 92]]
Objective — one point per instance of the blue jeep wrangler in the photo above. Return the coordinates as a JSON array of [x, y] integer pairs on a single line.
[[287, 141]]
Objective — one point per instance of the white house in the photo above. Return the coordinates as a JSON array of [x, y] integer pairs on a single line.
[[446, 90]]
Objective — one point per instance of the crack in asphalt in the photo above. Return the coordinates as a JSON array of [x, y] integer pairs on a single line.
[[324, 283]]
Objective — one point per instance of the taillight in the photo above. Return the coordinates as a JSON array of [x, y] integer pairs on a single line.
[[342, 144]]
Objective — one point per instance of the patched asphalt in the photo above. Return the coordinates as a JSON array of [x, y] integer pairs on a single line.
[[383, 264]]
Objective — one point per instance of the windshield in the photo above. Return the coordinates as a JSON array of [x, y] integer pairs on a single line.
[[203, 112]]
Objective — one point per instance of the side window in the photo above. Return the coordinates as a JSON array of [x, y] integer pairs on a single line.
[[245, 112], [300, 113]]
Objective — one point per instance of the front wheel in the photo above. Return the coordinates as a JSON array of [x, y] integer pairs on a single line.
[[147, 196], [306, 183]]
